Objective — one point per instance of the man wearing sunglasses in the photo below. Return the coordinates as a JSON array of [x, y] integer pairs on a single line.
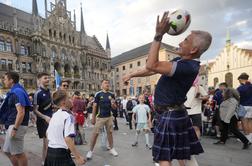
[[64, 85]]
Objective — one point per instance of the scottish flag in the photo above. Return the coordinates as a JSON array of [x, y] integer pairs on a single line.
[[57, 79]]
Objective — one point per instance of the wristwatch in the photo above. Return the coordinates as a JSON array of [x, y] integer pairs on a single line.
[[14, 128], [158, 37]]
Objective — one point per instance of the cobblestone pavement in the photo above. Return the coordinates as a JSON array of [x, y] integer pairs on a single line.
[[222, 155]]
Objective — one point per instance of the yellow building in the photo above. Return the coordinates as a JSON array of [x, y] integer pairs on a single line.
[[133, 60], [229, 64]]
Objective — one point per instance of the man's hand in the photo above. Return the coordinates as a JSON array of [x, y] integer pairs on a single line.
[[93, 120], [47, 119], [162, 26], [126, 78], [80, 160], [13, 133]]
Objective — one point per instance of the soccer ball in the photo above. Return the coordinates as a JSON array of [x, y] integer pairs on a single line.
[[179, 22]]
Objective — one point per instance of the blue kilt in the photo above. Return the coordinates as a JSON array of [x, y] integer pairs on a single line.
[[174, 137]]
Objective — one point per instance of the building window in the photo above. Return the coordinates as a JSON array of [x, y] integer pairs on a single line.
[[24, 50], [29, 67], [138, 63], [117, 69], [50, 33], [9, 46], [24, 67], [3, 64], [123, 67], [131, 65], [2, 45], [54, 34], [124, 91], [10, 64]]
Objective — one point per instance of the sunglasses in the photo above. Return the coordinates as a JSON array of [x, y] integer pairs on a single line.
[[66, 86]]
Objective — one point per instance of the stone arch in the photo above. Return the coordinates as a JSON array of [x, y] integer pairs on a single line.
[[229, 79], [67, 70], [215, 81], [76, 72], [53, 53], [57, 67], [63, 54]]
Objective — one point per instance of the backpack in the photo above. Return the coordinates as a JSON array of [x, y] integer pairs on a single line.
[[129, 105]]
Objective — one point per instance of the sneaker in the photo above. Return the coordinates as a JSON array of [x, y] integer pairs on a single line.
[[156, 164], [246, 146], [72, 156], [134, 144], [89, 155], [113, 152], [148, 146], [84, 142]]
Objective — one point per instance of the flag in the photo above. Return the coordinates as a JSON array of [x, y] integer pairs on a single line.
[[57, 79]]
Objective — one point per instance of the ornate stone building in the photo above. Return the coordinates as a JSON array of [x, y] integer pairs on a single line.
[[229, 64], [30, 44]]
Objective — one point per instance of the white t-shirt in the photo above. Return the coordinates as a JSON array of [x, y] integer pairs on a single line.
[[61, 125], [141, 111], [124, 103], [193, 102]]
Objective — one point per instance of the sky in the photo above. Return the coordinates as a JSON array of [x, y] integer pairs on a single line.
[[131, 23]]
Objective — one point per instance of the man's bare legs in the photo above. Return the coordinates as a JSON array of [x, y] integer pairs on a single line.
[[18, 159], [44, 150], [93, 140]]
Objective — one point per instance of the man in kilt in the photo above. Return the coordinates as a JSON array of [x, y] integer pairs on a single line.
[[174, 136]]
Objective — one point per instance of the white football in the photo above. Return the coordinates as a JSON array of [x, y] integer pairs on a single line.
[[179, 22]]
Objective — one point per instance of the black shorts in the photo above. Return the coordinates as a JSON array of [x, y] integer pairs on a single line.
[[42, 126], [196, 120], [216, 118]]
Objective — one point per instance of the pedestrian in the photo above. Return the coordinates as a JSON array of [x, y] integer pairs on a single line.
[[142, 116], [78, 112], [245, 90], [228, 115], [101, 116], [195, 96], [218, 98], [177, 77], [60, 134], [90, 108], [14, 114], [42, 107], [32, 120], [124, 109], [129, 107]]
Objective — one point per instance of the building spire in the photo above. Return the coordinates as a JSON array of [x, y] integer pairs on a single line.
[[34, 7], [107, 43], [82, 22], [228, 40]]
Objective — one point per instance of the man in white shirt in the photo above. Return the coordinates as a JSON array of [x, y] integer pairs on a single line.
[[124, 109], [195, 96]]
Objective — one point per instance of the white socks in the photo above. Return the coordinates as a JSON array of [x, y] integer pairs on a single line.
[[147, 138]]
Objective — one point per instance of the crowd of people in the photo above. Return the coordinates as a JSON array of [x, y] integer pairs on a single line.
[[178, 113]]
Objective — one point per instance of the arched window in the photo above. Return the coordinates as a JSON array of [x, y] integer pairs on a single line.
[[53, 53], [229, 79], [9, 46], [2, 44], [216, 81], [63, 54], [50, 33], [24, 50]]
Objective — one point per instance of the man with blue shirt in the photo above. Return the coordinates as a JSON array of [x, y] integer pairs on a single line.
[[15, 115], [174, 136], [42, 107], [245, 90], [102, 116]]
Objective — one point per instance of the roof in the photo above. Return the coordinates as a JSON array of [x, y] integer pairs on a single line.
[[137, 52], [24, 19]]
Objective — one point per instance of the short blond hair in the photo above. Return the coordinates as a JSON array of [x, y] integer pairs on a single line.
[[202, 41]]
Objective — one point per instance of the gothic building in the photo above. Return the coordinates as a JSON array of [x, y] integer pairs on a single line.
[[30, 43]]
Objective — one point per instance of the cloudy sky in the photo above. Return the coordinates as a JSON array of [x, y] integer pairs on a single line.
[[131, 23]]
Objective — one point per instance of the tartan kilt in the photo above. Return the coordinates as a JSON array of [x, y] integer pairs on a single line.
[[174, 137], [58, 157]]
